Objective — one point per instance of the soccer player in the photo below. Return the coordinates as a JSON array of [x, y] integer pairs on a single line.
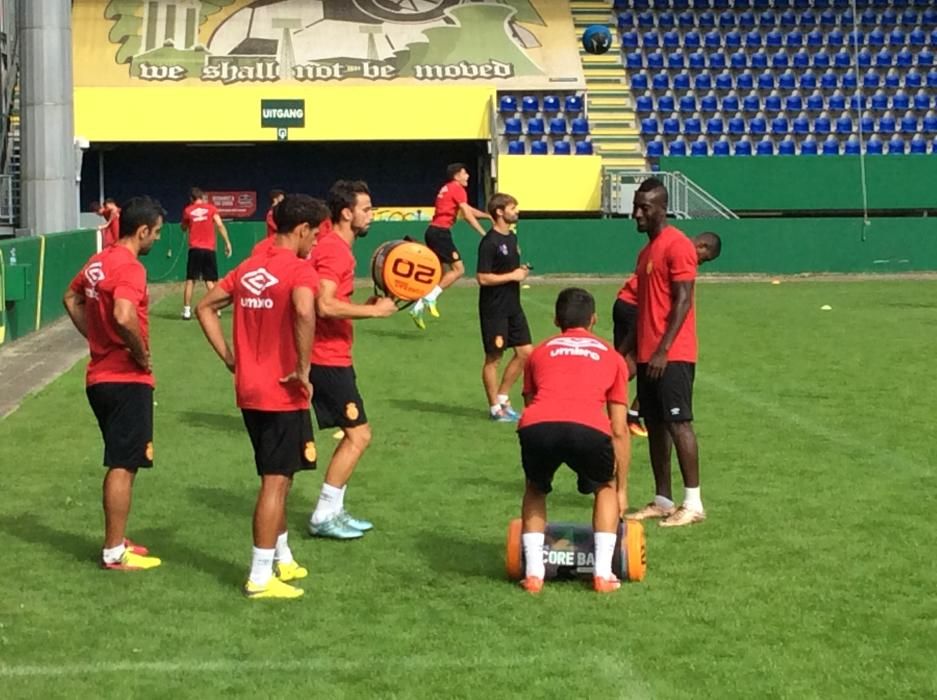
[[199, 220], [576, 397], [276, 196], [503, 323], [451, 200], [107, 301], [625, 315], [273, 293], [336, 399], [666, 355], [110, 229]]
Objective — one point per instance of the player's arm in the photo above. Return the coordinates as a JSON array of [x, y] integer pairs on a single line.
[[491, 279], [681, 299], [128, 328], [328, 305], [75, 307], [224, 234], [471, 215], [304, 328], [207, 313], [621, 444]]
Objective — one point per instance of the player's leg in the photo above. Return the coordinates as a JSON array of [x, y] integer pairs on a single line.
[[187, 290], [268, 519], [117, 496], [518, 337], [490, 367], [659, 448], [440, 242], [677, 392], [605, 535], [540, 461], [624, 320]]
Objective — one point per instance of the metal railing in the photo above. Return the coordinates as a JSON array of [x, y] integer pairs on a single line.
[[687, 199], [9, 206]]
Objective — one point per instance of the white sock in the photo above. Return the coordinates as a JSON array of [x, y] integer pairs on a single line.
[[633, 414], [283, 553], [504, 399], [261, 565], [417, 307], [331, 501], [186, 309], [604, 550], [112, 555], [692, 499], [433, 295], [663, 502], [495, 409], [533, 553]]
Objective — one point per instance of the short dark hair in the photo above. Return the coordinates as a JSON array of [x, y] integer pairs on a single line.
[[499, 200], [712, 240], [297, 209], [574, 308], [137, 212], [344, 195], [653, 184], [110, 200], [276, 193], [196, 193], [454, 169]]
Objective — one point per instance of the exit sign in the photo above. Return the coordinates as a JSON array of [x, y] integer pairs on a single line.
[[282, 113]]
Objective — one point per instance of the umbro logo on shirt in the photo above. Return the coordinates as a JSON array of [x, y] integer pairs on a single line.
[[256, 281], [577, 347], [94, 274], [199, 214]]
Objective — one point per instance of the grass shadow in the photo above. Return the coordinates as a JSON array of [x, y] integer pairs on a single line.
[[436, 407], [165, 544], [223, 422], [241, 505], [409, 336], [27, 528], [449, 554]]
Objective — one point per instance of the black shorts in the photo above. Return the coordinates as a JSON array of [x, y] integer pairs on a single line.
[[439, 240], [670, 398], [585, 450], [335, 397], [202, 265], [625, 320], [501, 332], [125, 415], [283, 440]]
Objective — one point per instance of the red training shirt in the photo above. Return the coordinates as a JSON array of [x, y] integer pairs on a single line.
[[271, 224], [671, 257], [264, 341], [333, 260], [200, 218], [629, 291], [111, 232], [450, 196], [571, 378], [114, 273], [263, 246]]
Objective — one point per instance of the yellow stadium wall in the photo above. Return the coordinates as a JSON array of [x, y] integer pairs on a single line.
[[552, 183], [333, 113]]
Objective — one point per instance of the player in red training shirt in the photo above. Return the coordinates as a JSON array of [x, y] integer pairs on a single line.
[[199, 220], [276, 196], [451, 200], [273, 293], [576, 393], [625, 315], [336, 399], [666, 354], [108, 303]]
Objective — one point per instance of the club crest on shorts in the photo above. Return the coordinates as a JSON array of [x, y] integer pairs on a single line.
[[499, 341], [455, 255], [309, 451], [351, 411], [149, 451]]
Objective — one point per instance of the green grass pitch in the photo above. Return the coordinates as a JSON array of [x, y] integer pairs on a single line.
[[814, 576]]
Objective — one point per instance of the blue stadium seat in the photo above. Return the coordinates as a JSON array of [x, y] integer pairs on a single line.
[[794, 39], [788, 19], [688, 104], [897, 37], [828, 18], [666, 103], [821, 126], [558, 126], [843, 59], [692, 126], [829, 80], [879, 101], [904, 58], [883, 59], [844, 124], [667, 20], [516, 148], [918, 145], [930, 123], [787, 148], [721, 147], [767, 19], [850, 80], [703, 82], [793, 103], [744, 81], [650, 40], [751, 104], [530, 104], [815, 39], [773, 103], [864, 58], [713, 39], [871, 80], [874, 146], [649, 126], [837, 102], [646, 19], [917, 37], [743, 148], [736, 126], [858, 102], [801, 125], [629, 40], [686, 19], [759, 60], [730, 103], [787, 81], [876, 38], [535, 126], [779, 125], [808, 147], [909, 18], [671, 39], [625, 20], [661, 81], [747, 20], [868, 18], [715, 126], [821, 4], [676, 60], [821, 59], [758, 125], [699, 148], [808, 80], [551, 103], [584, 148], [901, 101], [580, 126], [815, 102], [655, 60], [706, 20], [896, 146], [733, 40], [766, 81], [765, 147], [634, 60], [513, 126], [562, 148], [539, 148], [573, 104], [867, 123], [717, 60], [727, 19], [697, 61], [739, 60], [932, 78], [909, 124], [677, 148], [807, 20], [753, 40], [644, 104], [507, 104], [774, 39], [853, 147], [925, 57], [893, 79], [801, 60], [831, 146], [922, 101], [913, 79], [888, 18], [835, 38], [655, 149], [929, 17], [887, 125], [638, 82], [681, 81], [708, 103]]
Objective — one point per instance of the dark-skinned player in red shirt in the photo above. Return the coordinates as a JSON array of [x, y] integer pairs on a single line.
[[451, 201], [576, 393], [273, 293], [199, 220], [336, 400], [666, 354], [108, 303]]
